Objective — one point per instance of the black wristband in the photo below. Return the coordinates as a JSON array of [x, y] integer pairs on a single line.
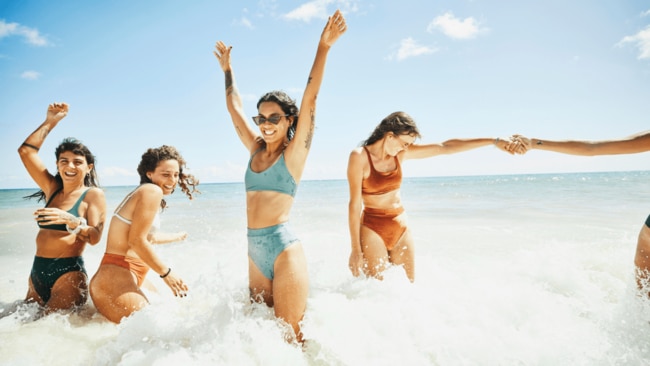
[[166, 274], [30, 145]]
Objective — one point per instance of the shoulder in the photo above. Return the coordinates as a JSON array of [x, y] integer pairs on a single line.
[[358, 161], [94, 193], [357, 156], [148, 192], [357, 153], [149, 189]]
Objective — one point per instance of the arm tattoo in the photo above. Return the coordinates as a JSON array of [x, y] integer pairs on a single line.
[[44, 133], [230, 87], [310, 135], [309, 80], [228, 80]]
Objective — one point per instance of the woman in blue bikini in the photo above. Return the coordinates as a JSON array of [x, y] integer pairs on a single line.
[[72, 217], [278, 151]]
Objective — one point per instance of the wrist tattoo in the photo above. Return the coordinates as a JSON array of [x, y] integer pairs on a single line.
[[539, 142], [228, 80]]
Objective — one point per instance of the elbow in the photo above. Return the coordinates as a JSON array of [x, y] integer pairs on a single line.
[[94, 240], [136, 243], [24, 151], [354, 208]]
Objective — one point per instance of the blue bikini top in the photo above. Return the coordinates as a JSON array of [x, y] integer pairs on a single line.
[[74, 211], [275, 178]]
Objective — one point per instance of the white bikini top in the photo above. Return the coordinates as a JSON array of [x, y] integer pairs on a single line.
[[155, 225]]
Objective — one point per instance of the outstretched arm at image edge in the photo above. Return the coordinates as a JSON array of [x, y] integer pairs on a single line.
[[633, 144]]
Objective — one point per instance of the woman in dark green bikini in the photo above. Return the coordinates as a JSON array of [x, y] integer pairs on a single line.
[[73, 216]]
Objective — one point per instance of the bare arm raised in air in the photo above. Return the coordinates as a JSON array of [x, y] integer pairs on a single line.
[[296, 153]]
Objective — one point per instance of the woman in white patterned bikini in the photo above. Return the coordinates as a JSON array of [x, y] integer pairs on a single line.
[[116, 287]]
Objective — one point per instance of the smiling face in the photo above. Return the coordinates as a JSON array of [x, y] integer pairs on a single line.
[[273, 132], [165, 175], [73, 168], [396, 143]]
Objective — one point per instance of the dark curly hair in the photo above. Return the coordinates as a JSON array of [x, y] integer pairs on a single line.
[[288, 106], [76, 147], [399, 123], [153, 156]]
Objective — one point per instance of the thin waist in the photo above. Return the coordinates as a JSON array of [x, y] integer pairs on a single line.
[[268, 230], [394, 211], [40, 258]]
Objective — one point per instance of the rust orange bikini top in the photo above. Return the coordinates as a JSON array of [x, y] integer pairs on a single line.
[[381, 182]]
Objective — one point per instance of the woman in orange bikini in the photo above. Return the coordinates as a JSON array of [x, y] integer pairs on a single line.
[[378, 231], [72, 217], [116, 287]]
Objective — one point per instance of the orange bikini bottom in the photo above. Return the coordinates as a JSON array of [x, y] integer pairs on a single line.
[[385, 223], [135, 265]]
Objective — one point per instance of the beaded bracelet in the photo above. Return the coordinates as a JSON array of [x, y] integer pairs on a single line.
[[82, 224]]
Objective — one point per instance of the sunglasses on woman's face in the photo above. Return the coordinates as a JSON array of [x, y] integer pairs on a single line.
[[274, 118]]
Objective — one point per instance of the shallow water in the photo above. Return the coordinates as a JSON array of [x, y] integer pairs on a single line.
[[510, 270]]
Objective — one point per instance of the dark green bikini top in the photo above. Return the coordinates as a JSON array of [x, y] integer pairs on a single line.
[[74, 211]]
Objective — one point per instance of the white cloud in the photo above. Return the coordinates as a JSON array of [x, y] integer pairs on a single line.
[[645, 13], [317, 9], [456, 28], [307, 11], [31, 36], [642, 41], [30, 75], [410, 48], [245, 22]]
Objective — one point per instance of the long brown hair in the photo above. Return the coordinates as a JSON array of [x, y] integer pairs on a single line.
[[399, 123], [153, 156]]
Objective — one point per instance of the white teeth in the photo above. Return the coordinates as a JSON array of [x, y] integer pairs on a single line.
[[70, 174]]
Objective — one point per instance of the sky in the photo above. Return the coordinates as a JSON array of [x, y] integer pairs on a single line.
[[140, 74]]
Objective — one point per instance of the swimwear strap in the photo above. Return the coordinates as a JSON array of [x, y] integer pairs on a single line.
[[30, 145], [166, 274]]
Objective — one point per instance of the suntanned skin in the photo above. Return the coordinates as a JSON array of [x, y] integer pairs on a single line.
[[369, 254], [71, 289], [287, 292]]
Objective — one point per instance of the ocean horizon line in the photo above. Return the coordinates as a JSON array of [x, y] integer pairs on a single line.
[[405, 177]]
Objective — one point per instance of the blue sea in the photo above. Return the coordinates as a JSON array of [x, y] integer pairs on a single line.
[[510, 270]]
